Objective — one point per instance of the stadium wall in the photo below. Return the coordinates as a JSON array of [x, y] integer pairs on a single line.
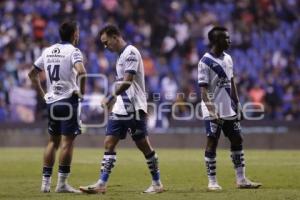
[[258, 135]]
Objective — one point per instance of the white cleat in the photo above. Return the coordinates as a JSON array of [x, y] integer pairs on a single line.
[[214, 186], [46, 185], [153, 189], [247, 184], [93, 189], [66, 188]]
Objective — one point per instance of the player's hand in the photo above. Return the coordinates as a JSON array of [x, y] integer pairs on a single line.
[[239, 113], [79, 95], [108, 102], [240, 116], [216, 119]]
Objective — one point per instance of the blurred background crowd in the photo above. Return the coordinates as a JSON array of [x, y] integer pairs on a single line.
[[171, 35]]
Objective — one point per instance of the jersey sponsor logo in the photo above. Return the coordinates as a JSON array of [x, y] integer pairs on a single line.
[[53, 60], [132, 53], [202, 70], [56, 50], [131, 59], [77, 56], [55, 55]]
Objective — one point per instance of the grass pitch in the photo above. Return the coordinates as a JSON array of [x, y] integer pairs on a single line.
[[183, 174]]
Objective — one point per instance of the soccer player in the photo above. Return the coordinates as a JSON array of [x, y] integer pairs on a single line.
[[221, 108], [128, 115], [62, 63]]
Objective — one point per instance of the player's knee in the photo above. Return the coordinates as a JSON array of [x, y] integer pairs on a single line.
[[54, 142], [238, 140], [212, 144], [56, 145], [144, 145], [66, 145], [109, 146]]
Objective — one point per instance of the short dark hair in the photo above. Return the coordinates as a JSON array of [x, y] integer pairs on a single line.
[[110, 30], [212, 35], [67, 30]]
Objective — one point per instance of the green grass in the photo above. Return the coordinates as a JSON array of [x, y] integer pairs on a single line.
[[183, 174]]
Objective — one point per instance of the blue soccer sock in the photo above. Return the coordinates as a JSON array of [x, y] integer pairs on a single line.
[[152, 162], [238, 160], [64, 169], [210, 161], [47, 171], [109, 158], [63, 173]]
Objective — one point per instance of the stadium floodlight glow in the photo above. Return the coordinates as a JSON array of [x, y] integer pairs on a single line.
[[52, 115]]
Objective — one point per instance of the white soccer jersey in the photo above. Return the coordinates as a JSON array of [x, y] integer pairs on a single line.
[[58, 62], [216, 73], [134, 98]]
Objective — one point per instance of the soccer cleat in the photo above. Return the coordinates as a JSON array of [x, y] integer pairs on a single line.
[[153, 189], [214, 186], [66, 188], [93, 189], [247, 184], [46, 185]]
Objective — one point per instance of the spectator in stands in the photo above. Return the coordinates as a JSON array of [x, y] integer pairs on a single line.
[[264, 36]]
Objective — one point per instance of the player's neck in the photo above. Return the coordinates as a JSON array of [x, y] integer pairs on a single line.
[[216, 52], [122, 46], [68, 42]]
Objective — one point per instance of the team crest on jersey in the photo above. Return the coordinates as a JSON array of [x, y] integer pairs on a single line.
[[132, 53], [56, 51]]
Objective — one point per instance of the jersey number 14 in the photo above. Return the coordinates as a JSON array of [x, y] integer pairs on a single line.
[[53, 72]]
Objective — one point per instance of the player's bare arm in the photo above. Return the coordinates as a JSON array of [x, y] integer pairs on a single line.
[[210, 105], [35, 79], [125, 84], [81, 73], [234, 93], [235, 97], [120, 88]]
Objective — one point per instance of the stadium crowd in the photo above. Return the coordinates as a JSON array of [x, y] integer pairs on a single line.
[[171, 35]]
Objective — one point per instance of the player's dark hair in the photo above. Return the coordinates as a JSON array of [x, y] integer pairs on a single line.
[[110, 30], [212, 33], [67, 30]]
